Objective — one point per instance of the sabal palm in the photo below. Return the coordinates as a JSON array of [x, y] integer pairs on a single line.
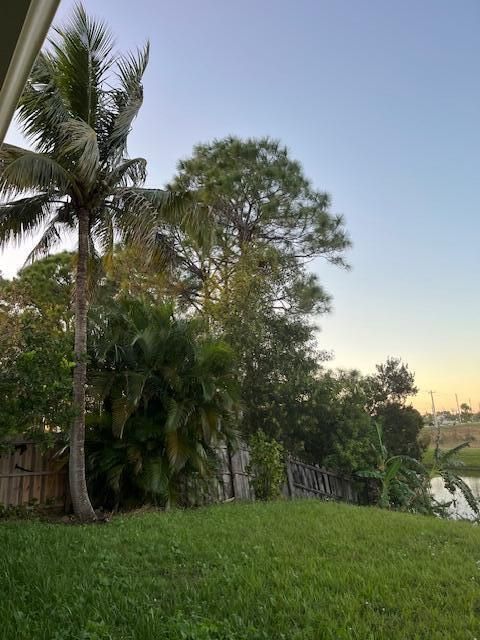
[[77, 110]]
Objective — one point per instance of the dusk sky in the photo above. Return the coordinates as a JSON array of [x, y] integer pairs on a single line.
[[380, 101]]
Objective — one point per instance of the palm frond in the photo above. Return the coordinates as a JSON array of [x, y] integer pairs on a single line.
[[155, 476], [125, 395], [145, 216], [79, 141], [209, 419], [453, 481], [24, 217], [179, 449], [127, 99], [52, 234], [23, 171], [131, 172], [83, 56], [448, 456], [42, 109], [100, 383], [49, 239], [104, 233], [177, 415]]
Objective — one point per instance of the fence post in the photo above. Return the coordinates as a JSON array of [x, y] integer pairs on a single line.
[[291, 487]]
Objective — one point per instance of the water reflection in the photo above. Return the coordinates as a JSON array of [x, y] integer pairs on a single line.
[[459, 509]]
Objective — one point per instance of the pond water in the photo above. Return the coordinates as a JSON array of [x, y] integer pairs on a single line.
[[459, 508]]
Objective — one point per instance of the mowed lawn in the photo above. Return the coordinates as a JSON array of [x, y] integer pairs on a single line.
[[452, 436], [469, 457], [302, 570]]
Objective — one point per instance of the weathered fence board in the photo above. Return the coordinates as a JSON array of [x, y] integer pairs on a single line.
[[307, 480], [239, 461], [231, 479], [29, 474]]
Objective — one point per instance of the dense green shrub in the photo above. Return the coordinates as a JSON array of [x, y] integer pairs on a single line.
[[266, 467], [165, 397]]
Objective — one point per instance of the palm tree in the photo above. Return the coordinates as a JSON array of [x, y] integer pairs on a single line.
[[166, 393], [77, 110]]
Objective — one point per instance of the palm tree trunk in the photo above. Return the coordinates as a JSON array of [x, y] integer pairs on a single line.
[[78, 485]]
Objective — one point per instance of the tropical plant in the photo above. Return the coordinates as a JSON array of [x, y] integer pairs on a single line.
[[164, 389], [399, 478], [127, 471], [405, 483], [77, 110], [446, 465]]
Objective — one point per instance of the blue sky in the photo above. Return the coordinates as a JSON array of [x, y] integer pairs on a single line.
[[380, 101]]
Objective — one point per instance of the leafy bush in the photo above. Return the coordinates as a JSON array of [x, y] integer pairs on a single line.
[[36, 348], [18, 512], [404, 483], [266, 467], [338, 434], [400, 478], [166, 396]]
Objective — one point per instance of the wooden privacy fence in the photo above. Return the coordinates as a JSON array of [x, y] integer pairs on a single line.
[[231, 479], [30, 474], [310, 481], [303, 481]]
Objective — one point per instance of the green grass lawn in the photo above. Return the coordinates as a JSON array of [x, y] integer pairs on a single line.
[[302, 570], [451, 436], [470, 457]]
